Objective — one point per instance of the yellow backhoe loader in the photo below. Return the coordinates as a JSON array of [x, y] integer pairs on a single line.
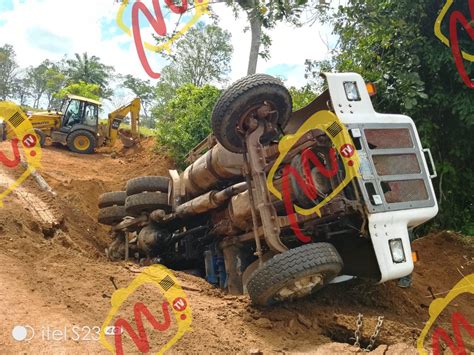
[[76, 125]]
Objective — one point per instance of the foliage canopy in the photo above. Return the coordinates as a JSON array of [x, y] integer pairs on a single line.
[[392, 43], [191, 108]]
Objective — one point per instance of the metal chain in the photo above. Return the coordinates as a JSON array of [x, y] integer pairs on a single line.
[[373, 338], [358, 330]]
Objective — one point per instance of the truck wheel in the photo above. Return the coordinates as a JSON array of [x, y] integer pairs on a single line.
[[82, 142], [111, 215], [146, 202], [244, 98], [147, 184], [41, 136], [116, 198], [294, 273]]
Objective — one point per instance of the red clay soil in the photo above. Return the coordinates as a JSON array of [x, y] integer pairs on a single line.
[[56, 277]]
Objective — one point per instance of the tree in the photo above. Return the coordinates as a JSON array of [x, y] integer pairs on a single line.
[[22, 89], [8, 66], [265, 15], [201, 56], [37, 78], [91, 91], [55, 81], [392, 43], [89, 70], [191, 109], [142, 89]]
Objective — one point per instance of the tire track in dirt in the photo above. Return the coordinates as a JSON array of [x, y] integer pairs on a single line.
[[38, 208]]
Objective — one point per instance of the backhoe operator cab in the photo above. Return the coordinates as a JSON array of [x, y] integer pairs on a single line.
[[279, 203]]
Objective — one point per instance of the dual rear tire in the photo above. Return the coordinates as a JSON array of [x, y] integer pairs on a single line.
[[142, 195]]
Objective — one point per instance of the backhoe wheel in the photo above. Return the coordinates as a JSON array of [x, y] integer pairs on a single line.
[[41, 137], [111, 215], [82, 142], [116, 198], [294, 273], [135, 205], [147, 184], [242, 100]]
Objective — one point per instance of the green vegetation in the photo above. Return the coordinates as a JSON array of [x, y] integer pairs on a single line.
[[191, 109], [91, 91], [50, 81], [392, 44], [89, 70], [301, 97]]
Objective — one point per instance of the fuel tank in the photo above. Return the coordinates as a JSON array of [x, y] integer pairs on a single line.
[[217, 166]]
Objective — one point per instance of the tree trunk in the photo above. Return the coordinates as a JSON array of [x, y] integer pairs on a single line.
[[256, 29]]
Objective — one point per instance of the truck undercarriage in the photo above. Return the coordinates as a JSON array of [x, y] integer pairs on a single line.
[[279, 203]]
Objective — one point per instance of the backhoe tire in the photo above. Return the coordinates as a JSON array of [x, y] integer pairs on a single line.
[[41, 137], [82, 142], [248, 93], [294, 273], [147, 184], [116, 198], [111, 215], [136, 204]]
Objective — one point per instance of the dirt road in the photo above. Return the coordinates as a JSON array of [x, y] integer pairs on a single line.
[[56, 280]]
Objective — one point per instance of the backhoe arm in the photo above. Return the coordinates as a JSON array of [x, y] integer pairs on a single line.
[[116, 117]]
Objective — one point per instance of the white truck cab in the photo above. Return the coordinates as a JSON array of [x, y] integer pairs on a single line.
[[394, 176]]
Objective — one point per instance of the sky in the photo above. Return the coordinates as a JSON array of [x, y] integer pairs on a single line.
[[41, 29]]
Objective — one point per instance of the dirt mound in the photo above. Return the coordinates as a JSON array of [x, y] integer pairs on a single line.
[[57, 276]]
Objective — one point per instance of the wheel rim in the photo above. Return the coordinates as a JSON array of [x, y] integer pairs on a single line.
[[81, 143], [299, 288]]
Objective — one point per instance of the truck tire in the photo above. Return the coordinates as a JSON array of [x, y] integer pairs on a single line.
[[82, 142], [111, 215], [147, 184], [41, 137], [116, 198], [294, 273], [248, 93], [136, 204]]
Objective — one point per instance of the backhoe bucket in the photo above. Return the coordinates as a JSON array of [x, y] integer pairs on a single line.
[[127, 140]]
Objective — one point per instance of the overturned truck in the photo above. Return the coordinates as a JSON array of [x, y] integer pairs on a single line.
[[276, 203]]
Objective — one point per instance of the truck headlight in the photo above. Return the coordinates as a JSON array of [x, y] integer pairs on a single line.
[[396, 249], [352, 91]]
